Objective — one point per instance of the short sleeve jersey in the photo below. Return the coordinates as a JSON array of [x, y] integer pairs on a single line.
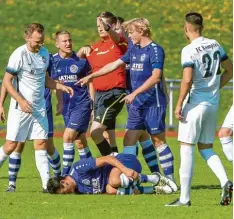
[[29, 70], [104, 52], [142, 63], [69, 71], [204, 56]]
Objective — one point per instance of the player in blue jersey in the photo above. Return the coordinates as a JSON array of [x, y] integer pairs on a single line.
[[148, 101], [197, 106], [15, 157], [67, 68], [118, 174]]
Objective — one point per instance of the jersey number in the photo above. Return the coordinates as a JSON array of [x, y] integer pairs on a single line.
[[206, 60]]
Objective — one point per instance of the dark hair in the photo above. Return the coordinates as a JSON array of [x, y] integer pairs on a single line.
[[120, 20], [34, 27], [53, 184], [60, 32], [111, 18], [194, 18]]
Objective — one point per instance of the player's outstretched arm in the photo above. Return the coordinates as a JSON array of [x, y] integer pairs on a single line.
[[228, 73], [101, 161], [50, 83], [184, 89], [103, 71]]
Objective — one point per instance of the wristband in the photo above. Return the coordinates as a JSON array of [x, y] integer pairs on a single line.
[[108, 28]]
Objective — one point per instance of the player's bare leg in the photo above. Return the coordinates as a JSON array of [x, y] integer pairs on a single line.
[[96, 132]]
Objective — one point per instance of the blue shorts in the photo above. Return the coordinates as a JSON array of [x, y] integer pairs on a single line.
[[77, 118], [130, 161], [50, 122], [151, 119]]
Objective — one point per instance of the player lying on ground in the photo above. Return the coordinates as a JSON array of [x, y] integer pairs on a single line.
[[111, 175]]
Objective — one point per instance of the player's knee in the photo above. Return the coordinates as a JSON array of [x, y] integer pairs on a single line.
[[115, 182], [67, 138], [225, 132], [110, 190], [207, 153], [96, 134], [9, 147]]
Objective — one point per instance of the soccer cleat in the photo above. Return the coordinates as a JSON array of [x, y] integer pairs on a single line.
[[166, 181], [226, 196], [11, 188], [162, 189], [177, 203]]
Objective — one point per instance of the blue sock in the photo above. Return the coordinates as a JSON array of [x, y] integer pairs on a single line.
[[166, 160], [150, 155], [137, 149], [84, 153], [125, 191], [68, 157], [145, 189], [130, 150], [55, 163], [207, 153], [14, 166]]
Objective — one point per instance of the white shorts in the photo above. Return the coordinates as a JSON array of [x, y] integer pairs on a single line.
[[228, 122], [198, 124], [22, 126]]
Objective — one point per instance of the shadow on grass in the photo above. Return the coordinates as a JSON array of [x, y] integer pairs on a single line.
[[197, 187]]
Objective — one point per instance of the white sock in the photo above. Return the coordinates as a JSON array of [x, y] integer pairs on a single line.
[[42, 166], [227, 144], [3, 156], [216, 166], [186, 171]]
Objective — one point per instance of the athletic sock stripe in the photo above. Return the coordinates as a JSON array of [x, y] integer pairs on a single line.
[[150, 159], [147, 150], [167, 160]]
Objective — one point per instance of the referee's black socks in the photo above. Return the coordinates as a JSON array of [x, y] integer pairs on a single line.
[[104, 147]]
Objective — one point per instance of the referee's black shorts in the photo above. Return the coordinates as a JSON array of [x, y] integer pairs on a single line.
[[107, 106]]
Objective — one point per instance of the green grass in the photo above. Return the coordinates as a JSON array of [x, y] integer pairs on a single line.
[[29, 202], [79, 17]]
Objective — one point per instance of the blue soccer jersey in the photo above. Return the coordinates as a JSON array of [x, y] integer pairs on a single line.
[[91, 179], [142, 63], [69, 71]]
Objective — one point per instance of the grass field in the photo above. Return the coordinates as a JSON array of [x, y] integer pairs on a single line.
[[29, 202]]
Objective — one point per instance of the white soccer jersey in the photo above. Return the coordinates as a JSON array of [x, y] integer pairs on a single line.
[[204, 56], [29, 70]]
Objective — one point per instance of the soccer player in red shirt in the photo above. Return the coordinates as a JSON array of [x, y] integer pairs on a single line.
[[106, 91]]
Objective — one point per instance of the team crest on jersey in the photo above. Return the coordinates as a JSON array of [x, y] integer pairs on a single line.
[[44, 59], [73, 68], [86, 182], [143, 57]]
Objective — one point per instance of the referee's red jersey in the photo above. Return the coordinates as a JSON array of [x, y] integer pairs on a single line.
[[103, 53]]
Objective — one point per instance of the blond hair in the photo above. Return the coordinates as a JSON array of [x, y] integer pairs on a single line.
[[61, 32], [140, 24]]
